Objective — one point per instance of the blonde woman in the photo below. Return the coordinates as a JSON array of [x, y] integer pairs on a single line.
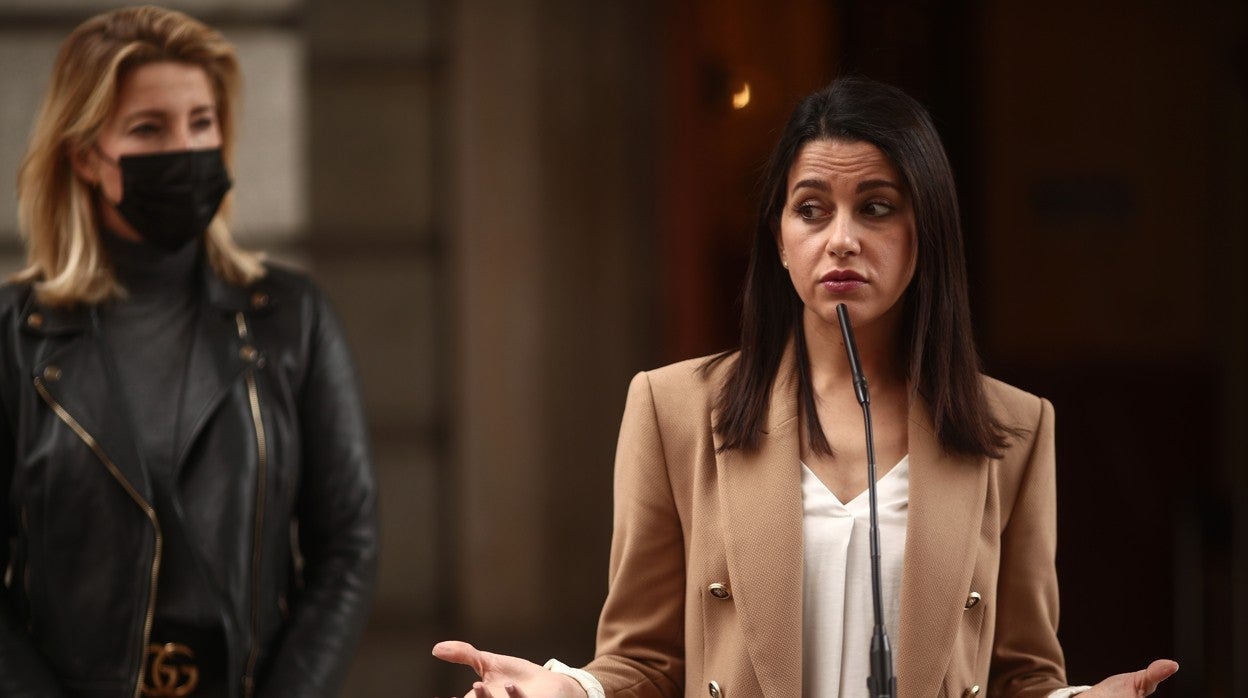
[[189, 498]]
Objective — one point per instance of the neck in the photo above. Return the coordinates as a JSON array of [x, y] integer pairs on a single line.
[[879, 350], [144, 269]]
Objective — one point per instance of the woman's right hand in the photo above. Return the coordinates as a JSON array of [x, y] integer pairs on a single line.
[[507, 677]]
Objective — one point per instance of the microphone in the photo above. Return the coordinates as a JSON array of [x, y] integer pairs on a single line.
[[881, 683]]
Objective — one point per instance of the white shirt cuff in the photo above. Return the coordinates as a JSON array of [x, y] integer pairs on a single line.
[[592, 687], [1068, 691]]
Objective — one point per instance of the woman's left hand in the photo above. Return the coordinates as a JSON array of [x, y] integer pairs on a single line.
[[1135, 683]]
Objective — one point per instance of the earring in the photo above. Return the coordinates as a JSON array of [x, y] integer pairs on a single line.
[[784, 264]]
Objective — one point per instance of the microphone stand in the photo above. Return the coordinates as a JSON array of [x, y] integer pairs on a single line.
[[881, 683]]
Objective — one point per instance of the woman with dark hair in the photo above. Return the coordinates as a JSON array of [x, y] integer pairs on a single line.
[[739, 565]]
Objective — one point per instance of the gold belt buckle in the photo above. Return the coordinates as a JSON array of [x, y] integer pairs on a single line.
[[171, 671]]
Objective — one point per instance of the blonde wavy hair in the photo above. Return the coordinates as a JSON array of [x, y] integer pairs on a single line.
[[65, 261]]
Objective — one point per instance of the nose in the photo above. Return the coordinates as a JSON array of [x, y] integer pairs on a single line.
[[843, 237], [180, 138]]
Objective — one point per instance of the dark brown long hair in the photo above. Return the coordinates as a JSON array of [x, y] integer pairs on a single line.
[[943, 365]]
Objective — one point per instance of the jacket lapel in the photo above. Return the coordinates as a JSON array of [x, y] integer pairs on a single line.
[[947, 495], [213, 365], [761, 499], [78, 377], [215, 362]]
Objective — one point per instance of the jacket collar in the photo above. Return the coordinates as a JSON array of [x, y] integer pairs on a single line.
[[47, 320], [225, 297]]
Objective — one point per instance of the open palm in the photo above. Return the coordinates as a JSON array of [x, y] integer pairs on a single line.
[[504, 676], [1134, 684]]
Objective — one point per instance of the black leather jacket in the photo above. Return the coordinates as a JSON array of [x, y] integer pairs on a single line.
[[284, 527]]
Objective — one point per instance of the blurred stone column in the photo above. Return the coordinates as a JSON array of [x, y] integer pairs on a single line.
[[376, 242], [553, 239]]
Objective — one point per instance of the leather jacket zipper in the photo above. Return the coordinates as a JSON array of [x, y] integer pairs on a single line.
[[147, 508], [249, 354]]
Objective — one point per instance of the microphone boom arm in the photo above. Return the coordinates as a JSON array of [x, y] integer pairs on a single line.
[[881, 683]]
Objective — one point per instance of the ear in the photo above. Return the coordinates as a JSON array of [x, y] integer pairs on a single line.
[[86, 164]]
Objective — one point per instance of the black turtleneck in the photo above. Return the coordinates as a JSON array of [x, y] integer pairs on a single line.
[[149, 334]]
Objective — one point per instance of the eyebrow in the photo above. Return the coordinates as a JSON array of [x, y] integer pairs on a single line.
[[878, 183], [160, 113], [144, 114], [820, 185]]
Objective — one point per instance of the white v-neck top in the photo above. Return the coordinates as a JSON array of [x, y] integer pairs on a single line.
[[837, 612]]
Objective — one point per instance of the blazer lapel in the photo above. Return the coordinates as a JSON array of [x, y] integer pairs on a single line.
[[947, 495], [761, 499]]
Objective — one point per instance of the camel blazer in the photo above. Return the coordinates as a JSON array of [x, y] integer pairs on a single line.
[[687, 517]]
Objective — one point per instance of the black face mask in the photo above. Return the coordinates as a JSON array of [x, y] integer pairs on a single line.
[[170, 198]]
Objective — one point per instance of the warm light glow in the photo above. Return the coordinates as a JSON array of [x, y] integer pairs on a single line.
[[741, 98]]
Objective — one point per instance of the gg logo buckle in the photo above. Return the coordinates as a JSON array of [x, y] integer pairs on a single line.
[[171, 671]]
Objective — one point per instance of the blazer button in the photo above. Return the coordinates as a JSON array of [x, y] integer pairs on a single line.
[[714, 690], [34, 320], [259, 300], [52, 373], [248, 353], [970, 692], [720, 592], [972, 601]]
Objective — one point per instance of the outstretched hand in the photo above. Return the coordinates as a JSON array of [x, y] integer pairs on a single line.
[[503, 676], [1133, 684]]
